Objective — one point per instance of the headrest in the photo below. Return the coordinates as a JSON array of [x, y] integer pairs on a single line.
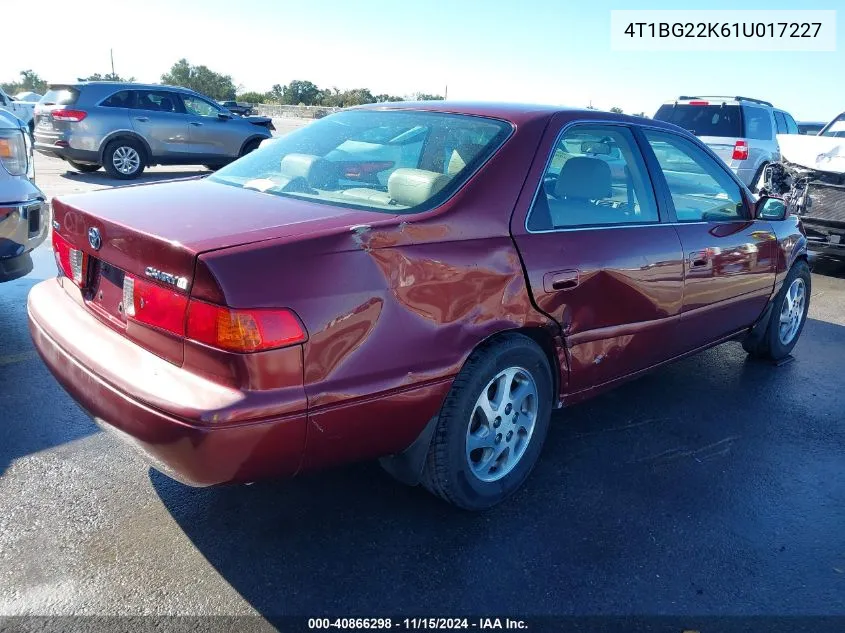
[[462, 155], [317, 171], [410, 187], [584, 178], [166, 105]]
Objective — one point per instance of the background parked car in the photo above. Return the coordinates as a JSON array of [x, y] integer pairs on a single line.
[[810, 128], [125, 126], [740, 130], [242, 109], [23, 212], [24, 110]]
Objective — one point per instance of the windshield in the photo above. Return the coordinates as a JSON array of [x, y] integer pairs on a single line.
[[835, 128], [703, 120], [393, 161]]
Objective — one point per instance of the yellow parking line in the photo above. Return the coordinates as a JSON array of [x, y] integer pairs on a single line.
[[11, 359]]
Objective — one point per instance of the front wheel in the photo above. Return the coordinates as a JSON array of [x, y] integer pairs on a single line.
[[789, 313], [492, 425]]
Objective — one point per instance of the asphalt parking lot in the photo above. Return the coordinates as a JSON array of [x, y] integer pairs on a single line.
[[712, 487]]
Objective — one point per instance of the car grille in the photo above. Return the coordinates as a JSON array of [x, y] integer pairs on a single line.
[[828, 203]]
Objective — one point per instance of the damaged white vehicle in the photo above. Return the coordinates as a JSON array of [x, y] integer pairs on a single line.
[[811, 179]]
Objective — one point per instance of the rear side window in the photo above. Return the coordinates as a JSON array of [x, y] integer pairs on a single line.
[[122, 99], [60, 96], [701, 190], [383, 160], [703, 120], [596, 177], [758, 123], [157, 101]]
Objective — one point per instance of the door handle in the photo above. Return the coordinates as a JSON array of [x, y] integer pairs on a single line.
[[143, 119], [561, 280], [698, 259], [195, 123]]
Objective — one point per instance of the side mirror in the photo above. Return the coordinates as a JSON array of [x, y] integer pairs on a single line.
[[767, 208], [224, 116]]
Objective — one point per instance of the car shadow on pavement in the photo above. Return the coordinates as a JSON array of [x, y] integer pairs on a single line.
[[657, 497], [103, 179], [35, 411]]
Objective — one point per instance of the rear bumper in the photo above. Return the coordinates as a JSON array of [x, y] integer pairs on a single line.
[[80, 352], [66, 153], [825, 237]]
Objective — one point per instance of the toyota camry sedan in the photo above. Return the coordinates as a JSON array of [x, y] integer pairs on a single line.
[[421, 283]]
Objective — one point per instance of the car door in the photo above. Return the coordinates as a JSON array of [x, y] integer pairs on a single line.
[[211, 134], [158, 116], [600, 257], [729, 257]]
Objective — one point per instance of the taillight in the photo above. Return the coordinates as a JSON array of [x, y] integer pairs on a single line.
[[72, 262], [740, 151], [210, 324], [74, 116], [154, 305], [242, 330]]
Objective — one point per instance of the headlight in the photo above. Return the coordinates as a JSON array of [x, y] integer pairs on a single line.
[[13, 151]]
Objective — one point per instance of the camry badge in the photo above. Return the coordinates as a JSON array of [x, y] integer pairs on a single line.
[[173, 280], [94, 238]]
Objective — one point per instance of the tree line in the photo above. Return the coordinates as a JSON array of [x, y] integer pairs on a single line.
[[221, 87]]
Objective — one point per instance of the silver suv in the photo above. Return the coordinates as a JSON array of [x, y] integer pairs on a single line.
[[23, 212], [125, 126], [740, 130]]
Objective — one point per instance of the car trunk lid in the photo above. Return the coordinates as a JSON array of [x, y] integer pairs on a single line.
[[155, 233]]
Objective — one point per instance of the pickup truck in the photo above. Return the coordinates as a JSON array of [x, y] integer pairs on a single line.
[[24, 110], [243, 109], [24, 214]]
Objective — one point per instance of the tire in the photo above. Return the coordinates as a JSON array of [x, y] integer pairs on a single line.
[[83, 167], [786, 321], [250, 146], [134, 158], [474, 479]]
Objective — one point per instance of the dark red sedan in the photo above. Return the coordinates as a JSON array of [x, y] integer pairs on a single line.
[[422, 283]]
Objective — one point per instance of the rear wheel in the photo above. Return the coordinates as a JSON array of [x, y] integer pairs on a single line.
[[124, 158], [492, 425], [789, 313], [85, 168]]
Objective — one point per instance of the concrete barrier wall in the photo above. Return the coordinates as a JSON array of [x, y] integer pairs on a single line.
[[296, 112]]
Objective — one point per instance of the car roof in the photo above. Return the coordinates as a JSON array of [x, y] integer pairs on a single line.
[[125, 85], [515, 113], [684, 100]]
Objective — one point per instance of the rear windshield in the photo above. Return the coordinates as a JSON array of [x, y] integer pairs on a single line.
[[709, 120], [391, 161], [835, 128], [60, 96]]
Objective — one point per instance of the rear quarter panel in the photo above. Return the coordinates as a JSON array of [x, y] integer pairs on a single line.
[[393, 308]]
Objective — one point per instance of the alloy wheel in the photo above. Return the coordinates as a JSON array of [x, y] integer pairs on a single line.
[[792, 311], [501, 424], [126, 160]]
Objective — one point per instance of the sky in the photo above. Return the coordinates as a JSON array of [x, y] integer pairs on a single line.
[[541, 51]]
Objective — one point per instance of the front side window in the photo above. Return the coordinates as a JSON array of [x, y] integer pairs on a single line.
[[199, 107], [780, 123], [791, 125], [758, 123], [596, 177], [382, 160], [701, 190]]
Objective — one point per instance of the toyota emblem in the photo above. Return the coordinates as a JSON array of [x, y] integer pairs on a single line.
[[94, 238]]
